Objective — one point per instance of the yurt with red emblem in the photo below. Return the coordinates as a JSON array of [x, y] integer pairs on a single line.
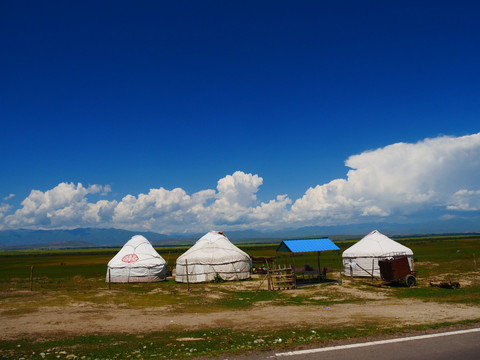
[[137, 261]]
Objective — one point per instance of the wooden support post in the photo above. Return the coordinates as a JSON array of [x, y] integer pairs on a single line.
[[277, 278], [269, 280], [109, 280], [339, 265], [188, 282], [261, 283], [474, 263], [269, 277], [31, 278], [318, 263], [365, 270], [373, 266]]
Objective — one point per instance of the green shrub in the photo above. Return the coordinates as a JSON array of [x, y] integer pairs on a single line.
[[217, 279]]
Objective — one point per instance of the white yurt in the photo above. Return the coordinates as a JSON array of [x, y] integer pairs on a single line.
[[362, 257], [137, 261], [211, 255]]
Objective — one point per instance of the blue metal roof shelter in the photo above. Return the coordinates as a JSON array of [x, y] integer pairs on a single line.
[[309, 245]]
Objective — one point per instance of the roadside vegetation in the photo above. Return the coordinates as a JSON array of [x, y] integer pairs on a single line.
[[205, 343]]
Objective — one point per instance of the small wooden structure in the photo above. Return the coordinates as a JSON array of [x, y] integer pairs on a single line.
[[278, 277], [282, 278]]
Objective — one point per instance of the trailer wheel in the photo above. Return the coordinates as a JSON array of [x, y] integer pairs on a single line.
[[410, 280]]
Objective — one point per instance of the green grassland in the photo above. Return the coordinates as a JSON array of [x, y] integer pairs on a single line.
[[64, 276]]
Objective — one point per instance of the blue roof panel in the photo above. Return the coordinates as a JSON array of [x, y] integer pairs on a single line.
[[307, 245]]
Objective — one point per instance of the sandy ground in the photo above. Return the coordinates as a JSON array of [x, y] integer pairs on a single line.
[[52, 321], [86, 318]]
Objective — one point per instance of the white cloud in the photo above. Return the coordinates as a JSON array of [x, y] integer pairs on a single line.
[[395, 182], [159, 207], [176, 211], [270, 214], [235, 195], [3, 209], [62, 206], [465, 200], [239, 188], [400, 179], [8, 197], [106, 190]]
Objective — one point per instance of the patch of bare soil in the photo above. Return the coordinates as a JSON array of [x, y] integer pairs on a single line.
[[427, 264], [466, 279], [17, 293], [244, 285], [353, 292], [75, 317], [81, 319]]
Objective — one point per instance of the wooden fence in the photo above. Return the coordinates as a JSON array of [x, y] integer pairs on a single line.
[[281, 278]]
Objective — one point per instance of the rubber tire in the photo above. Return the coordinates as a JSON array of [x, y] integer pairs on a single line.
[[410, 280]]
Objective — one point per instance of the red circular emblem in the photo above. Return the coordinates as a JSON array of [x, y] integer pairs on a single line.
[[130, 258]]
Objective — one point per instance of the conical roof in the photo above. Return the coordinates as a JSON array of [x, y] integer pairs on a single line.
[[213, 248], [376, 244], [137, 252]]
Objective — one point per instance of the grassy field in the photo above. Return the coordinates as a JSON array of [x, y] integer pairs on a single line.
[[66, 277]]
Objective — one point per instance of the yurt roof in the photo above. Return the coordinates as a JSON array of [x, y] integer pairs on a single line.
[[137, 251], [213, 248], [376, 244]]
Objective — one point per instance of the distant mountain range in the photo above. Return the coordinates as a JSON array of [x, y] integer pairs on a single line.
[[81, 237], [92, 237]]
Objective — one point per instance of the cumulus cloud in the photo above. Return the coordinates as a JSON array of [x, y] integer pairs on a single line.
[[3, 209], [465, 200], [62, 206], [399, 179], [394, 182], [175, 210], [8, 197], [159, 207], [106, 190], [239, 188], [235, 194], [270, 214]]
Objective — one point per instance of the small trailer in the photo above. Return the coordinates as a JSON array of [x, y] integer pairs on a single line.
[[397, 269]]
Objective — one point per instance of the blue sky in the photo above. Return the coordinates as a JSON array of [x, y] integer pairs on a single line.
[[113, 99]]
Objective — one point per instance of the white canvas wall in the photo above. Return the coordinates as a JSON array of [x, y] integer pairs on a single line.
[[213, 254], [363, 256], [364, 266]]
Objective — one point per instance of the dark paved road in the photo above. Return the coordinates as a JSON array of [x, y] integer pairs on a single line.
[[450, 345]]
